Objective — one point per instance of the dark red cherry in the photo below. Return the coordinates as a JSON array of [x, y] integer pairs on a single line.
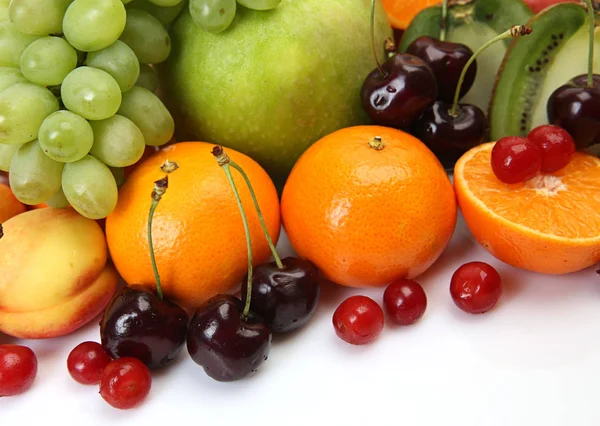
[[398, 96], [515, 159], [475, 287], [576, 108], [555, 144], [449, 136], [226, 344], [284, 297], [136, 323], [446, 60]]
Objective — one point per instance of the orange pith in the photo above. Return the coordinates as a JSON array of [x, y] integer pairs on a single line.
[[401, 12], [550, 224]]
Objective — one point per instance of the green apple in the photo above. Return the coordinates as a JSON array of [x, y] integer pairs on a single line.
[[275, 81]]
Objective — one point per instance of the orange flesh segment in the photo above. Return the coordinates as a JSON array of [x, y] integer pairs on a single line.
[[402, 12], [564, 204]]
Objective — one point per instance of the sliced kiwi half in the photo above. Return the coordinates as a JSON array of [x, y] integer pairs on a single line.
[[536, 65], [473, 22]]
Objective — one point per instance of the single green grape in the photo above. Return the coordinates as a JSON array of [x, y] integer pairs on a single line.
[[48, 60], [165, 15], [33, 176], [90, 187], [65, 136], [91, 25], [213, 16], [12, 44], [118, 142], [10, 77], [147, 79], [165, 3], [119, 175], [260, 4], [148, 112], [4, 14], [146, 36], [38, 17], [7, 151], [91, 93], [119, 61], [58, 200], [23, 107]]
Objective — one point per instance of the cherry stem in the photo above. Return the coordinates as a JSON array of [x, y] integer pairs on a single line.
[[160, 187], [373, 49], [515, 31], [590, 77], [444, 23]]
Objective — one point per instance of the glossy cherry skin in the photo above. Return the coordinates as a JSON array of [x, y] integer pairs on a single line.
[[397, 97], [358, 320], [475, 287], [125, 383], [136, 323], [18, 368], [405, 301], [515, 159], [446, 60], [285, 298], [86, 362], [447, 136], [576, 108], [555, 144], [227, 345]]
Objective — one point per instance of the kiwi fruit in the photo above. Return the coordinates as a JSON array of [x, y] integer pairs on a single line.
[[472, 22], [536, 65]]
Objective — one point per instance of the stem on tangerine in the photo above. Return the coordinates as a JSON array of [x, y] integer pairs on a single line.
[[444, 23], [373, 49], [515, 31], [590, 76]]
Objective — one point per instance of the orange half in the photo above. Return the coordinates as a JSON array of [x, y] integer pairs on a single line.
[[401, 12], [549, 224]]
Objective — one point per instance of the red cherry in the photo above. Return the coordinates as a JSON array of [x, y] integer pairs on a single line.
[[405, 301], [515, 159], [475, 287], [86, 362], [556, 146], [125, 383], [358, 320], [18, 368]]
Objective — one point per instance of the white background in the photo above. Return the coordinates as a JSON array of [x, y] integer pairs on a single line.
[[532, 360]]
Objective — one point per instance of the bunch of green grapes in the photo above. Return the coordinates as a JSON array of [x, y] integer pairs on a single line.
[[216, 16], [77, 100]]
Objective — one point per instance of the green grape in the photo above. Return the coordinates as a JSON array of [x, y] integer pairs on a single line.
[[12, 44], [38, 17], [260, 4], [147, 37], [118, 142], [4, 3], [58, 200], [10, 77], [148, 112], [148, 78], [34, 177], [214, 16], [119, 61], [91, 93], [65, 136], [3, 14], [48, 60], [6, 154], [90, 187], [91, 25], [126, 1], [165, 15], [23, 107], [165, 3], [119, 175]]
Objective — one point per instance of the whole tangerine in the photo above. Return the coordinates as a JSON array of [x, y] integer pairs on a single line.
[[197, 231], [369, 205]]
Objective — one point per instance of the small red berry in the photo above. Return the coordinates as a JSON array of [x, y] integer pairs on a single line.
[[86, 362], [475, 287], [515, 159], [358, 320], [556, 146], [18, 368], [405, 301], [125, 383]]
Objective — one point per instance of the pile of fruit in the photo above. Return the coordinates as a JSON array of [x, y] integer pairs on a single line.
[[364, 135]]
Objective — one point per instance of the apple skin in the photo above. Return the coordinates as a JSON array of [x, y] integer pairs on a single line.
[[538, 5], [55, 276], [275, 81]]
